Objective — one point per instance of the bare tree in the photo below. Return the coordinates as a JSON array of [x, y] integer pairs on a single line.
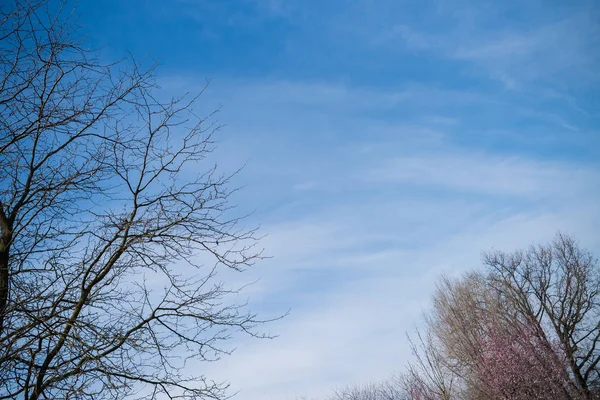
[[460, 310], [428, 377], [557, 286], [105, 205], [526, 328], [385, 390]]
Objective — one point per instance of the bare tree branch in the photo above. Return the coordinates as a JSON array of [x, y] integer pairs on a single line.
[[105, 205]]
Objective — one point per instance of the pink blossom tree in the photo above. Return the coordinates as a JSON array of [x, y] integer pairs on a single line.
[[517, 363]]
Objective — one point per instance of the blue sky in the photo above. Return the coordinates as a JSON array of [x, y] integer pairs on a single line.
[[387, 142]]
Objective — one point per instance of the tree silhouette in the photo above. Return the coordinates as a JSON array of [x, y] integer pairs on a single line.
[[106, 203]]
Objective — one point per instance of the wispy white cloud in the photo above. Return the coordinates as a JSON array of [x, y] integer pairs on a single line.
[[367, 196], [566, 47], [562, 49], [487, 174], [353, 331]]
